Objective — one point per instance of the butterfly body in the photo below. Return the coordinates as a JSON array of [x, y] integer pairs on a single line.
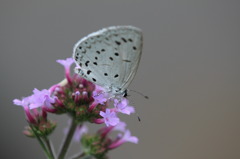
[[110, 57]]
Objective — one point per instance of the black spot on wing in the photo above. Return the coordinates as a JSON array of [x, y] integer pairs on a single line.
[[88, 72], [86, 63], [118, 43], [124, 40]]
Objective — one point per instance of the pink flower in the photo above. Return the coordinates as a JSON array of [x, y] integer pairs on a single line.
[[41, 98], [106, 130], [121, 126], [99, 94], [110, 118], [79, 132], [67, 64], [123, 107], [99, 98], [123, 139], [24, 102]]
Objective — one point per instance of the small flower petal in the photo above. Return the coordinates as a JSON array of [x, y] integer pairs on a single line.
[[123, 139], [110, 118], [24, 102], [66, 63], [121, 126], [41, 98], [123, 107]]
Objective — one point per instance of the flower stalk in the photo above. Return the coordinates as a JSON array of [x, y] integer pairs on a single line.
[[47, 152], [67, 140]]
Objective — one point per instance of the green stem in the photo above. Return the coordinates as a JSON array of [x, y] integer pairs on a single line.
[[67, 140], [42, 144], [49, 146]]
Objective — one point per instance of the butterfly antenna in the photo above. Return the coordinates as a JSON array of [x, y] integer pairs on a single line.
[[146, 97], [139, 119]]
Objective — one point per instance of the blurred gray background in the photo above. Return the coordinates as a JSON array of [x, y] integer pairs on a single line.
[[189, 68]]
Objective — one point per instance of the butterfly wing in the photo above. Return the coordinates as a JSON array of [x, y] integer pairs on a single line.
[[110, 57]]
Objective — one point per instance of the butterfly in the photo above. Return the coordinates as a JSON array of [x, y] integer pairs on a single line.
[[110, 57]]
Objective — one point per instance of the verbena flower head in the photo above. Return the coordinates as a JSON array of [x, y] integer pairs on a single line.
[[36, 117], [78, 97], [99, 144]]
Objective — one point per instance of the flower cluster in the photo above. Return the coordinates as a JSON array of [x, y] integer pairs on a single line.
[[99, 144], [84, 102]]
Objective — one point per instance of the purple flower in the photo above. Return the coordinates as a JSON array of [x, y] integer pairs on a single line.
[[67, 64], [106, 130], [99, 94], [99, 98], [24, 102], [79, 132], [110, 118], [123, 107], [123, 139], [41, 98], [121, 126]]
